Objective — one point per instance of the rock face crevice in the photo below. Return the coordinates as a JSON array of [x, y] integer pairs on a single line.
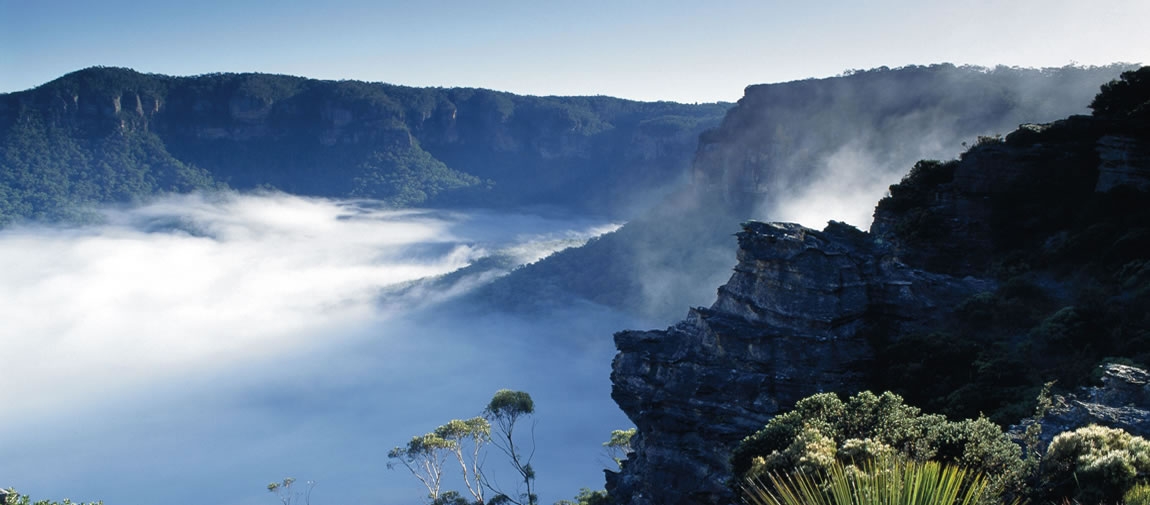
[[793, 320]]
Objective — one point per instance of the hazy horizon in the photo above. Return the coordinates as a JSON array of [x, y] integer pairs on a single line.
[[677, 51]]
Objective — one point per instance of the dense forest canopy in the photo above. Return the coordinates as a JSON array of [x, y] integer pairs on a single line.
[[112, 134]]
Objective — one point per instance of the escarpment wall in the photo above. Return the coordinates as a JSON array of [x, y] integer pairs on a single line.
[[805, 310], [792, 321]]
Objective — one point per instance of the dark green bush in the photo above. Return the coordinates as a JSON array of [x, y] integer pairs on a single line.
[[1128, 95], [822, 429]]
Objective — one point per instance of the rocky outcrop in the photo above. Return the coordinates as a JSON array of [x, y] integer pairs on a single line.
[[777, 139], [793, 320], [1125, 161], [1122, 401], [1052, 210]]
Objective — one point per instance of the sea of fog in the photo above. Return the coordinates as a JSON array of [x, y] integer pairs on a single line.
[[196, 348]]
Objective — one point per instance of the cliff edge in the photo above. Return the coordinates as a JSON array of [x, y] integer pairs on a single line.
[[809, 311]]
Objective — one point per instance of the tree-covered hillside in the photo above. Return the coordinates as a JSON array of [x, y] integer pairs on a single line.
[[112, 134]]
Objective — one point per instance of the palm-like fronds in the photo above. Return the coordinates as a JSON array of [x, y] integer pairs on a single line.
[[882, 483]]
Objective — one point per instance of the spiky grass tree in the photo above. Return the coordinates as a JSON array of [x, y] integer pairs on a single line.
[[882, 483]]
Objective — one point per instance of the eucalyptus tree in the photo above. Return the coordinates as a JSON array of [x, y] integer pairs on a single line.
[[466, 441], [424, 456], [619, 446], [506, 409], [475, 432], [284, 491]]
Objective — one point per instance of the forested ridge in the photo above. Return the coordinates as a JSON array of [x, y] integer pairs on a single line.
[[111, 135]]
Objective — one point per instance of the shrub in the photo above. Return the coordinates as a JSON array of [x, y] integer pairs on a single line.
[[1128, 95], [11, 497], [1137, 495], [1093, 464], [883, 482], [822, 431]]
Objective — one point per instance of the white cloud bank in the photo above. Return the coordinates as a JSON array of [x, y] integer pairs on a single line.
[[216, 341]]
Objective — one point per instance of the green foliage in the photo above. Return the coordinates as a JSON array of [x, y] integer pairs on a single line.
[[588, 497], [1073, 278], [424, 457], [912, 200], [1127, 95], [619, 445], [460, 429], [510, 405], [466, 441], [1137, 495], [450, 498], [287, 495], [1094, 464], [477, 432], [407, 177], [505, 410], [112, 135], [887, 481], [11, 497], [49, 172], [1072, 266], [917, 186], [822, 430]]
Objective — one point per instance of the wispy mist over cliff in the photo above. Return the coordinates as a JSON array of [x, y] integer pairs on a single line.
[[227, 341], [806, 151], [826, 149]]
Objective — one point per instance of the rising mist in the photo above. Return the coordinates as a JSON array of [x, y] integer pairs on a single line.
[[226, 341]]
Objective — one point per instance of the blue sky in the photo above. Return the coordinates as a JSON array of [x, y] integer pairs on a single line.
[[667, 50]]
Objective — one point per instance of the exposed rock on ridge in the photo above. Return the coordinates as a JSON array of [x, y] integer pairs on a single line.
[[805, 310], [1122, 401], [782, 137], [793, 320], [783, 134]]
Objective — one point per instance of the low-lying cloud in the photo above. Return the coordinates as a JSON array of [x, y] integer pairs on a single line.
[[847, 182], [215, 343]]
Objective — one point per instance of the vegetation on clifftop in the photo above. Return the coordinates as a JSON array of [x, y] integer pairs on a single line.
[[825, 440], [1071, 265]]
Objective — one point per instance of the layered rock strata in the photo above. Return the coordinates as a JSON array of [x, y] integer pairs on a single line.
[[793, 320], [803, 309]]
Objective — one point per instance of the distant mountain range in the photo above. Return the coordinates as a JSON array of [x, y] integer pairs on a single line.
[[111, 135]]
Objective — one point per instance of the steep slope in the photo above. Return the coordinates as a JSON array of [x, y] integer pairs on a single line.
[[815, 149], [827, 143], [109, 134], [981, 278]]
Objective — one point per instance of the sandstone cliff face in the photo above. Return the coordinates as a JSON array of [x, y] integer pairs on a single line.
[[793, 320], [805, 311]]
